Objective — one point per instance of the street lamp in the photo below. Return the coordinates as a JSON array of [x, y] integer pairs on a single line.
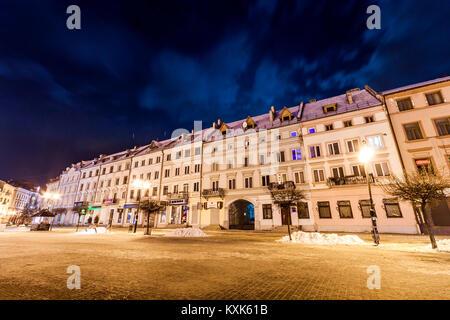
[[365, 155], [144, 185], [51, 196]]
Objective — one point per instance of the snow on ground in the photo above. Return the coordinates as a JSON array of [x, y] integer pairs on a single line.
[[187, 232], [321, 238], [443, 246], [92, 231]]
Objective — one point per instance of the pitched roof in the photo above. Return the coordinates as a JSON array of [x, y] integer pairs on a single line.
[[416, 85]]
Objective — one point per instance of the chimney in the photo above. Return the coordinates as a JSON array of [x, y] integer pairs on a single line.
[[214, 125], [272, 114], [349, 97]]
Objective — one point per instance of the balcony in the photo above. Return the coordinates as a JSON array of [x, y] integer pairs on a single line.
[[178, 195], [207, 193], [287, 185], [349, 180]]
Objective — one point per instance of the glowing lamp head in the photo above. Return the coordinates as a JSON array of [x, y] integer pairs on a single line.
[[365, 154], [47, 195]]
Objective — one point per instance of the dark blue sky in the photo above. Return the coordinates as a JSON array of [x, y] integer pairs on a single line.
[[146, 68]]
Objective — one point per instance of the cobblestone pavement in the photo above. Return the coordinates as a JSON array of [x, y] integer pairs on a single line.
[[225, 265]]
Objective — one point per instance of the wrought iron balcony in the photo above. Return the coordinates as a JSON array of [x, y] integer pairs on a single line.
[[178, 195], [349, 180], [287, 185], [213, 193]]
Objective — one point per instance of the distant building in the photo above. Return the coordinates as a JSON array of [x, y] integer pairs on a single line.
[[15, 197]]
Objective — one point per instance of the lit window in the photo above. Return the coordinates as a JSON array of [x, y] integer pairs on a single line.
[[312, 130], [375, 142], [296, 154], [293, 134]]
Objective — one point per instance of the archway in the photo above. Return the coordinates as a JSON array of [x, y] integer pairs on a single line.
[[241, 215]]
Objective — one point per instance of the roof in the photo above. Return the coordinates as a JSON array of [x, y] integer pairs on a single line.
[[301, 113], [416, 85]]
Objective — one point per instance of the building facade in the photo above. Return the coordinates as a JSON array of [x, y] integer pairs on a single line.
[[420, 116], [220, 175]]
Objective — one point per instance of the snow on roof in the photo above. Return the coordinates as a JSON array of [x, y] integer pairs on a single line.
[[417, 85]]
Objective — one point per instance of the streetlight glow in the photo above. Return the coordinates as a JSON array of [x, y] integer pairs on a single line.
[[365, 154]]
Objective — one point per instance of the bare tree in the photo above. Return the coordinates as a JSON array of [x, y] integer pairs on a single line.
[[285, 195], [151, 207], [422, 189]]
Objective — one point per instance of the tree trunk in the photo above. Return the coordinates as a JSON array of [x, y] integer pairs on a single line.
[[426, 221]]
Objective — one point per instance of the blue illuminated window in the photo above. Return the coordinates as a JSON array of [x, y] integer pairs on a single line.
[[293, 134], [312, 130], [297, 154]]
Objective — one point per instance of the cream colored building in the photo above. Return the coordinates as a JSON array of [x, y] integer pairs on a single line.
[[220, 175], [7, 194], [420, 116]]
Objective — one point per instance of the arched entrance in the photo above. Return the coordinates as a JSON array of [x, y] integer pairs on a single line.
[[241, 215]]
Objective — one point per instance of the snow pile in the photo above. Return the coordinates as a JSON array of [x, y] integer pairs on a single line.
[[319, 238], [444, 245], [187, 232], [92, 231]]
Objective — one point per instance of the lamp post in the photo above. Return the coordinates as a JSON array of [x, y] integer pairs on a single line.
[[144, 185], [365, 155], [51, 196]]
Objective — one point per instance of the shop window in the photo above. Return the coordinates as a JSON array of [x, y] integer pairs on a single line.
[[267, 211], [392, 208], [345, 209], [324, 209], [364, 206], [424, 165], [302, 210]]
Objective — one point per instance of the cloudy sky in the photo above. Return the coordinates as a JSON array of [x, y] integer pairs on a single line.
[[138, 70]]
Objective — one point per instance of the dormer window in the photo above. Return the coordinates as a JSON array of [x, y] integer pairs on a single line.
[[328, 127], [330, 108], [286, 115], [249, 123], [224, 128]]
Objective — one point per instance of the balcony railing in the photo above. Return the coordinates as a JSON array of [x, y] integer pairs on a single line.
[[273, 186], [213, 193], [178, 196], [349, 180]]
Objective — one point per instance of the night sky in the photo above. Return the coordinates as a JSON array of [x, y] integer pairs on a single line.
[[138, 70]]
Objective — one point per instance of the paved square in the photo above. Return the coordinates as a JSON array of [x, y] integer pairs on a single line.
[[225, 265]]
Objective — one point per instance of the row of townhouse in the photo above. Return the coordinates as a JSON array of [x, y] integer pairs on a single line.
[[220, 175], [15, 197]]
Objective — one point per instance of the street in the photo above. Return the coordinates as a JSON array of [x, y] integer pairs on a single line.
[[224, 265]]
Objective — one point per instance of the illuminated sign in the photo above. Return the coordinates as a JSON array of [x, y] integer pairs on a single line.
[[179, 201]]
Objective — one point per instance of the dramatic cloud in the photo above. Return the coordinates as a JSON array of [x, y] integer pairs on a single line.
[[136, 71]]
